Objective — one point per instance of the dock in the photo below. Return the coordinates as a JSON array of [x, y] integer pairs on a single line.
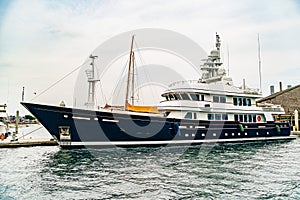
[[27, 143], [295, 133]]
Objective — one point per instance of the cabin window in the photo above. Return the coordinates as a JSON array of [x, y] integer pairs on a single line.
[[248, 102], [224, 116], [254, 118], [219, 99], [218, 116], [216, 99], [244, 102], [167, 98], [250, 118], [195, 97], [185, 96], [241, 118], [240, 101], [210, 116], [236, 118], [195, 115], [188, 115], [222, 99], [245, 118], [202, 97], [235, 101]]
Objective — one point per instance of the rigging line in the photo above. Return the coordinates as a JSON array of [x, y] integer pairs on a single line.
[[119, 81], [51, 86], [145, 69], [30, 132], [101, 88], [137, 80]]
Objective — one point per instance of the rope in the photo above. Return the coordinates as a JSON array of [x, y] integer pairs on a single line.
[[51, 86], [30, 132], [145, 71]]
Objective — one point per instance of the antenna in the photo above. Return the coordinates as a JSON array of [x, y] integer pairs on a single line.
[[228, 60], [259, 63]]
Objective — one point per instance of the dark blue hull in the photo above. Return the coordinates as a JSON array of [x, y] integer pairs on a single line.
[[79, 127]]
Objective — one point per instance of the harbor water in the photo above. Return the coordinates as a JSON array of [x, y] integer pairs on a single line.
[[262, 170]]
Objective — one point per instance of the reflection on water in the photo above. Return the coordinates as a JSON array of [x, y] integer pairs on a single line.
[[263, 170]]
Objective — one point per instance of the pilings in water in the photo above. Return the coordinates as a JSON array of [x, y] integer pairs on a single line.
[[296, 127]]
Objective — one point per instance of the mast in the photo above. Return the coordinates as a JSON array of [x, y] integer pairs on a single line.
[[259, 63], [132, 81], [128, 76]]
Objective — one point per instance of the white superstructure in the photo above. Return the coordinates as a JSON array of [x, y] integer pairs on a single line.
[[214, 97]]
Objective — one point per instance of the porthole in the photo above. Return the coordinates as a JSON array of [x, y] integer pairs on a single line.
[[246, 133], [193, 135], [268, 133], [203, 134], [232, 134], [186, 135], [257, 133], [226, 134], [214, 134], [65, 116], [239, 134]]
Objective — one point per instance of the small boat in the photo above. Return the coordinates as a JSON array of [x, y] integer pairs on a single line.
[[208, 110]]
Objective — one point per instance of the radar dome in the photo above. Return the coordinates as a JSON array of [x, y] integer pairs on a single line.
[[214, 53]]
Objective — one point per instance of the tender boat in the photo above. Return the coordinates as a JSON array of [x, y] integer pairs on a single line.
[[208, 110]]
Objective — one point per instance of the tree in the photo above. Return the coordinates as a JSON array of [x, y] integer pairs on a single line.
[[29, 117]]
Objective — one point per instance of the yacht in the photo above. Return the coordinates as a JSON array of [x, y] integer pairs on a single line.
[[208, 110]]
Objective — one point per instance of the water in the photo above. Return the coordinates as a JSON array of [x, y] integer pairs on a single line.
[[232, 171]]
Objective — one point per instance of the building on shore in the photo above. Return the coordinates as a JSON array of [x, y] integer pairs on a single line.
[[289, 98]]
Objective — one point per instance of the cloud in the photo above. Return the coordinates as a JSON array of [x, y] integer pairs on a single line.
[[43, 40]]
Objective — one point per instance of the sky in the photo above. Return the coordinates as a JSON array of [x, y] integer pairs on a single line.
[[41, 41]]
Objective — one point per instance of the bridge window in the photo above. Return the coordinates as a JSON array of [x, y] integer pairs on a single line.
[[195, 97], [171, 97], [185, 96], [177, 97]]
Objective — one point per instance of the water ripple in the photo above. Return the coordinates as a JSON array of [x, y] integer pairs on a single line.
[[232, 171]]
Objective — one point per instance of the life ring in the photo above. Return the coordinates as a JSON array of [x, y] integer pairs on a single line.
[[258, 118], [2, 136]]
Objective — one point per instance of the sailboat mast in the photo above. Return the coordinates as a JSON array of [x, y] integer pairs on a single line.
[[132, 81], [128, 75]]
